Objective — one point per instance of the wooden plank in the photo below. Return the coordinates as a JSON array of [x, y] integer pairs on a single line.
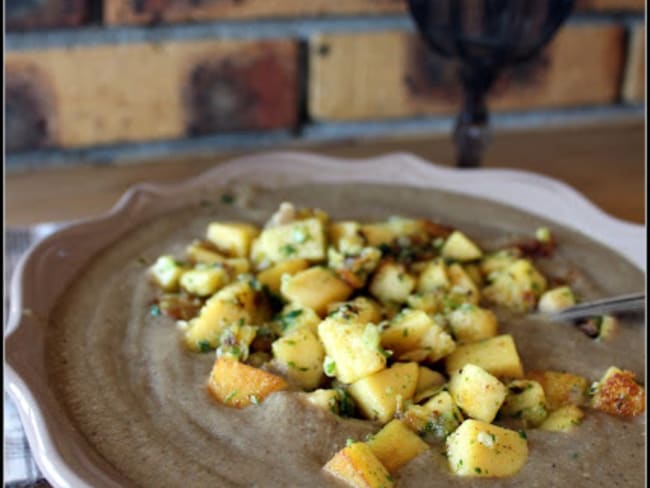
[[370, 75], [635, 71], [170, 11], [45, 14], [613, 5], [582, 157], [145, 91]]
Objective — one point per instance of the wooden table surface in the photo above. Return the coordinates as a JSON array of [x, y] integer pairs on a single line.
[[604, 162]]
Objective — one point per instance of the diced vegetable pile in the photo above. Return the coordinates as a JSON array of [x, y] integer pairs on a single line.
[[387, 321]]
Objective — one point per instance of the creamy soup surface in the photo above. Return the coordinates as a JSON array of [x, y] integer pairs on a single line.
[[140, 400]]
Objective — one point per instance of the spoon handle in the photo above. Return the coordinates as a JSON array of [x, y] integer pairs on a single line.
[[622, 303]]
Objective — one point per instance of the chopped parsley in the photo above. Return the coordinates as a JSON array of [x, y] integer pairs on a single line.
[[329, 367], [230, 396], [384, 352], [227, 198], [204, 346], [288, 250], [345, 403], [438, 242], [288, 319]]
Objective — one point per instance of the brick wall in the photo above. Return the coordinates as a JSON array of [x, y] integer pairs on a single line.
[[83, 74]]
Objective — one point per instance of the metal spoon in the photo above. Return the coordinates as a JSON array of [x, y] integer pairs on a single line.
[[622, 303]]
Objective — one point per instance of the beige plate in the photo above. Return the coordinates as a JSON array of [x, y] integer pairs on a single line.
[[48, 268]]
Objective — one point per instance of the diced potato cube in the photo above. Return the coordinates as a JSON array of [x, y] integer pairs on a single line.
[[238, 385], [518, 286], [497, 355], [235, 341], [498, 261], [417, 229], [346, 236], [354, 269], [236, 303], [391, 283], [617, 393], [430, 302], [315, 288], [377, 234], [234, 239], [560, 388], [357, 467], [353, 350], [203, 253], [473, 270], [436, 419], [525, 401], [300, 354], [295, 316], [390, 310], [564, 419], [434, 277], [379, 395], [361, 310], [315, 213], [437, 344], [395, 445], [479, 449], [428, 378], [460, 248], [543, 234], [405, 331], [600, 327], [478, 393], [300, 239], [471, 323], [236, 266], [413, 335], [396, 229], [179, 306], [608, 327], [556, 299], [204, 281], [463, 289], [323, 399], [272, 277], [166, 272]]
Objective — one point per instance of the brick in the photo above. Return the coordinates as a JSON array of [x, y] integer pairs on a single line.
[[152, 11], [28, 108], [634, 81], [391, 74], [45, 14], [137, 92], [613, 5]]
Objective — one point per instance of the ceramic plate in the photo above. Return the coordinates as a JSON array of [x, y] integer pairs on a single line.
[[57, 446]]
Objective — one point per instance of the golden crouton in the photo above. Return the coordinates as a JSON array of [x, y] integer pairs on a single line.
[[238, 385], [619, 394]]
